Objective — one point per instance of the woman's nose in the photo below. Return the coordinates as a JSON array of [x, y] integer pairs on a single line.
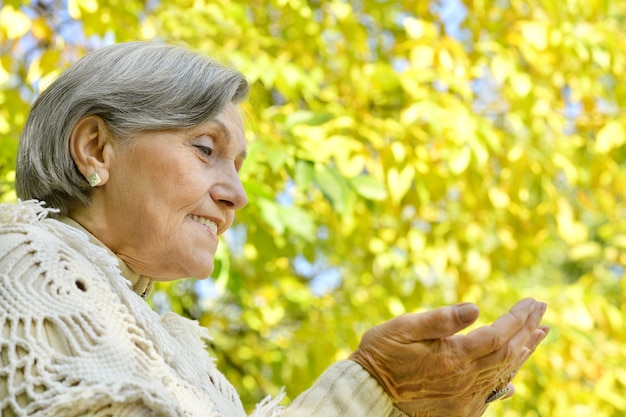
[[230, 191]]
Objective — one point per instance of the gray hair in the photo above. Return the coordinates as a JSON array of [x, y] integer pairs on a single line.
[[134, 87]]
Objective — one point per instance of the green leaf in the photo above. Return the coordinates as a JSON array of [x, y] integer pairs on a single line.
[[333, 187], [369, 187], [307, 118]]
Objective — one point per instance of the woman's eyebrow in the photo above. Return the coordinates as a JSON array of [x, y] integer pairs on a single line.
[[224, 130], [243, 154]]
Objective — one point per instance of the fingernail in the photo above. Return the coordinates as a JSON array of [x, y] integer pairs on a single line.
[[467, 312], [542, 308]]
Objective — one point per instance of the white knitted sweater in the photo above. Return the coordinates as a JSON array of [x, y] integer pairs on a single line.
[[77, 340]]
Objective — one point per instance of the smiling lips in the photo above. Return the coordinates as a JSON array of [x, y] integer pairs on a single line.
[[205, 222]]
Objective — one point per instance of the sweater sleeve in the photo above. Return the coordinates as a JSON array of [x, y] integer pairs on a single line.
[[68, 347], [345, 389]]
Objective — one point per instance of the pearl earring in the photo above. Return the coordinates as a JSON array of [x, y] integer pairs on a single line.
[[94, 179]]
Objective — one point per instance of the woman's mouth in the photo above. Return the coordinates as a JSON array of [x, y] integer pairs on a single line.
[[210, 224]]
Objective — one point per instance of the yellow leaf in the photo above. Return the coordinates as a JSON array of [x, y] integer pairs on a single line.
[[34, 72], [619, 240], [399, 182], [4, 75], [422, 56], [445, 60], [459, 161], [615, 320], [577, 316], [602, 58], [536, 34], [399, 152], [47, 79], [515, 153], [474, 232], [507, 238], [477, 265], [250, 252], [521, 84], [412, 113], [90, 6], [585, 250], [272, 314], [342, 10], [14, 22], [501, 67], [75, 7], [498, 197], [611, 136], [417, 240], [568, 168], [572, 231], [395, 306], [418, 29], [377, 245], [41, 29], [47, 62]]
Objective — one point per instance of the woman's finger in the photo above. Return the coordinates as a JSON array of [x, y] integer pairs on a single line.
[[496, 363], [511, 391], [434, 324], [511, 359], [522, 337], [488, 339]]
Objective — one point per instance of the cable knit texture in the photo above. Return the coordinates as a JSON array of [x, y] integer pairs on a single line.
[[77, 339]]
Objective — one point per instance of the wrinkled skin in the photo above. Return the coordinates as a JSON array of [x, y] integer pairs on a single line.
[[431, 371]]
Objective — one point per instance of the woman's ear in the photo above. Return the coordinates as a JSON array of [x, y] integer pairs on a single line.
[[90, 147]]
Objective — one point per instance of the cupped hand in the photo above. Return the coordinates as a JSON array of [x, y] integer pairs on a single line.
[[429, 370]]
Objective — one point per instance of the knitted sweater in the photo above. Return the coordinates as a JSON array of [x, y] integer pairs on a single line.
[[77, 339]]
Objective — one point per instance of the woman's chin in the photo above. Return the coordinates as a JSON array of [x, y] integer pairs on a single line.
[[202, 272], [203, 275]]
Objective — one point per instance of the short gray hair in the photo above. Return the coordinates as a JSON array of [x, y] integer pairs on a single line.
[[134, 87]]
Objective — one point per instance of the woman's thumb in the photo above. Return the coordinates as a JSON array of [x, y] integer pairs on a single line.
[[440, 322]]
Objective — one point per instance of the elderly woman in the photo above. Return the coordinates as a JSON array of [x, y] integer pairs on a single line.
[[135, 151]]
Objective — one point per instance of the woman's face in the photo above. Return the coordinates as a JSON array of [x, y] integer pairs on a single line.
[[171, 193]]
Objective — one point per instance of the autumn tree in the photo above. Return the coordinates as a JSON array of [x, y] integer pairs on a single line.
[[403, 155]]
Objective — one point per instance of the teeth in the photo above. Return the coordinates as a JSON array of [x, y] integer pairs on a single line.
[[208, 223]]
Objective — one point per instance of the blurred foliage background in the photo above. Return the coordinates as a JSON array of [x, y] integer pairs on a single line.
[[404, 154]]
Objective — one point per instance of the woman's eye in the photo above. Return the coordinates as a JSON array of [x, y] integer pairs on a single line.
[[206, 150]]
